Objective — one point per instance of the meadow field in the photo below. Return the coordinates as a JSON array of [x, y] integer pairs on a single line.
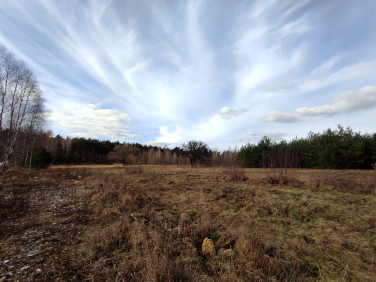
[[149, 223]]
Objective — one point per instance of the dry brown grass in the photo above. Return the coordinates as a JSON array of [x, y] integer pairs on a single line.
[[233, 174], [14, 186], [148, 223]]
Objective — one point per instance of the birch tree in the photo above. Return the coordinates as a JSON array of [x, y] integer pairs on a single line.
[[21, 103]]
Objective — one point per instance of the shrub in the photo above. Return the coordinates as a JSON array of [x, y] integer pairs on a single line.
[[41, 158]]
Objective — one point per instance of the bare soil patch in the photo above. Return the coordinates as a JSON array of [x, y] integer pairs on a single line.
[[41, 217]]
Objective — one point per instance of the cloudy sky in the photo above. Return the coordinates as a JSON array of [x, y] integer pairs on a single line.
[[226, 72]]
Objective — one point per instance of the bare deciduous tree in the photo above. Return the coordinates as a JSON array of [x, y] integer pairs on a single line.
[[122, 153], [21, 102]]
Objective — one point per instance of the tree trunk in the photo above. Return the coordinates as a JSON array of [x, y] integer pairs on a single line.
[[9, 152], [31, 154]]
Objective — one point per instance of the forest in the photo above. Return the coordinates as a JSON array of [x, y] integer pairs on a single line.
[[332, 149]]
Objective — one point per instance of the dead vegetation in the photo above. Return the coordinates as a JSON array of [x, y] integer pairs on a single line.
[[149, 223], [233, 174]]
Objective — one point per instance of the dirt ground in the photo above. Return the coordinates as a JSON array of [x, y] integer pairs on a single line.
[[41, 218]]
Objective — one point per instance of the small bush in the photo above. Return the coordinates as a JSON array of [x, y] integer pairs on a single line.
[[234, 174]]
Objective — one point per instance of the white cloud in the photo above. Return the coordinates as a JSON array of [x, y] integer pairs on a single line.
[[92, 121], [350, 101], [346, 102], [281, 117], [229, 113], [168, 137]]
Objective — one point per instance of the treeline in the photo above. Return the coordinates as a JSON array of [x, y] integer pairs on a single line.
[[59, 151], [332, 149], [92, 151]]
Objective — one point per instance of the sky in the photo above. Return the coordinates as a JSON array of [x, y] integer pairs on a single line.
[[226, 72]]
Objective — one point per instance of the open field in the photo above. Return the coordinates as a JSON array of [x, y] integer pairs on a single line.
[[148, 223]]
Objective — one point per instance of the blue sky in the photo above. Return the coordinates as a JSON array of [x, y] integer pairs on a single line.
[[224, 72]]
